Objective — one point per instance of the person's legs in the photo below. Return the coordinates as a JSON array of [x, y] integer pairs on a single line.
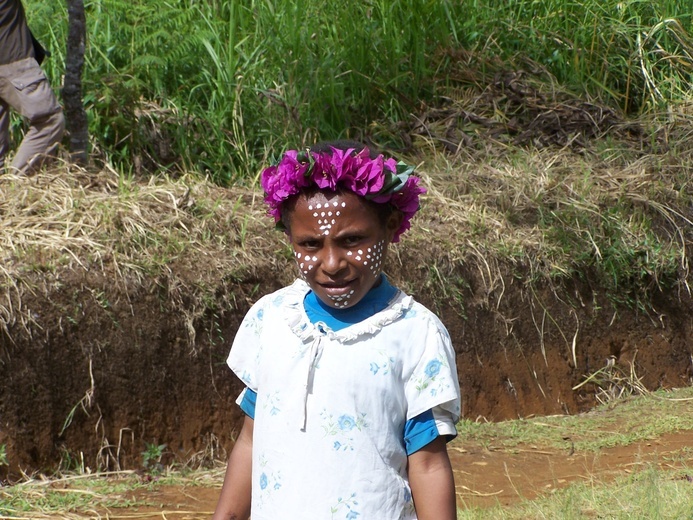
[[4, 131], [39, 143], [34, 99], [5, 84]]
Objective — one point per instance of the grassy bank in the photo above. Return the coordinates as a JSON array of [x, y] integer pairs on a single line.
[[214, 86], [612, 204]]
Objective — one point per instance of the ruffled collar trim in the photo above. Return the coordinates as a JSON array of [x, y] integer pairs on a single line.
[[301, 326]]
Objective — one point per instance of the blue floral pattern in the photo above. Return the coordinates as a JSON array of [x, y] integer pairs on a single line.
[[269, 481], [347, 506], [431, 380], [383, 364], [343, 430], [272, 403]]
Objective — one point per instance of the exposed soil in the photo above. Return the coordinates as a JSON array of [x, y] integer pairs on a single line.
[[485, 476], [108, 365]]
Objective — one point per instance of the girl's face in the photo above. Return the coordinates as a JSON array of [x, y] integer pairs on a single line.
[[339, 243]]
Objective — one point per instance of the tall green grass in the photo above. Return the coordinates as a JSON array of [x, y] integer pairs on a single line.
[[637, 54], [214, 86]]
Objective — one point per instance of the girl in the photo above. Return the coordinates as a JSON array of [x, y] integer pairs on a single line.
[[351, 386]]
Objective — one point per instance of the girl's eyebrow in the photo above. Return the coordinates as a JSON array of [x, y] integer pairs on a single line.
[[307, 236], [350, 232]]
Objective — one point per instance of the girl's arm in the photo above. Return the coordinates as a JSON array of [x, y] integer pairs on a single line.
[[432, 482], [234, 501]]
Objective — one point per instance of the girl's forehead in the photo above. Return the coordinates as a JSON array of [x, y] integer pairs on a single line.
[[330, 208], [332, 200]]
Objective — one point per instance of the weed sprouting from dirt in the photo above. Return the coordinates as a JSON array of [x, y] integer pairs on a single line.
[[613, 383], [3, 455], [151, 457]]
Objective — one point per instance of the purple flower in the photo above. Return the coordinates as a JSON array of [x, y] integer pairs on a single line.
[[381, 180], [365, 176], [407, 199], [330, 169], [284, 180]]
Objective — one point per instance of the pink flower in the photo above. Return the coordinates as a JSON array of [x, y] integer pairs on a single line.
[[379, 180], [407, 199], [366, 176], [284, 180], [328, 169], [292, 172]]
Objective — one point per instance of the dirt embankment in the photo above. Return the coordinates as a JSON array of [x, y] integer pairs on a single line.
[[108, 364]]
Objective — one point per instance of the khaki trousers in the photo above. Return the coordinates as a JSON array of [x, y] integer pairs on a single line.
[[25, 88]]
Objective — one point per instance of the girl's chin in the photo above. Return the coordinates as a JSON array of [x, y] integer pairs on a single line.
[[338, 297]]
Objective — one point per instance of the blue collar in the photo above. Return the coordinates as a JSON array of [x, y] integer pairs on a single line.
[[377, 299]]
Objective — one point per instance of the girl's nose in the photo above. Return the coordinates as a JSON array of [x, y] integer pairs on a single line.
[[333, 261]]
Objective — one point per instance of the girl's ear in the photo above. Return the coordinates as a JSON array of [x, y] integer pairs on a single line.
[[394, 221]]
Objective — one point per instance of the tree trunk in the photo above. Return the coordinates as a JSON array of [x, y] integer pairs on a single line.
[[75, 114]]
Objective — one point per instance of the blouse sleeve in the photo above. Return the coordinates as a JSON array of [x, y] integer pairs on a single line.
[[247, 346], [433, 381]]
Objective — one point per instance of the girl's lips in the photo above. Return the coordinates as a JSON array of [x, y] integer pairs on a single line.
[[337, 289]]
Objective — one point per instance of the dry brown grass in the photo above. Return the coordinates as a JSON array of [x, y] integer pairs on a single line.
[[546, 212], [68, 218]]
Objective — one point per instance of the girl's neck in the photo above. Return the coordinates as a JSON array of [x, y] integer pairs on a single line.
[[377, 299]]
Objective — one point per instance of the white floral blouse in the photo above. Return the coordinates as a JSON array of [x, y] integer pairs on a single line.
[[331, 406]]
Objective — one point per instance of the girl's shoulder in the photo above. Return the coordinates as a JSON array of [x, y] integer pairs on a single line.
[[418, 311], [289, 295], [281, 305]]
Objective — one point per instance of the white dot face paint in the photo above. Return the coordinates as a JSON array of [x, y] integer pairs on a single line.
[[339, 245], [301, 265], [326, 219], [375, 255], [342, 301], [372, 257]]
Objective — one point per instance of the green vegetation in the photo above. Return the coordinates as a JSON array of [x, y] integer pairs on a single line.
[[618, 423], [646, 494], [81, 495], [3, 455], [554, 138], [214, 86], [151, 457]]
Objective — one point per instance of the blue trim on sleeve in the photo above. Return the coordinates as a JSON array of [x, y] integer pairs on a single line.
[[420, 431], [248, 403]]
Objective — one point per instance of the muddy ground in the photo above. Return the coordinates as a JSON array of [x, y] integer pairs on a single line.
[[109, 364], [485, 476]]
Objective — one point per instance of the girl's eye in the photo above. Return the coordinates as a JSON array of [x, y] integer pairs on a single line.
[[352, 240], [309, 244]]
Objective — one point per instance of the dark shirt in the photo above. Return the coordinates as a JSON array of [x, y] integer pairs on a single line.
[[15, 37]]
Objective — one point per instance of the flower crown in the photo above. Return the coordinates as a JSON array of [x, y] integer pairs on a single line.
[[383, 181]]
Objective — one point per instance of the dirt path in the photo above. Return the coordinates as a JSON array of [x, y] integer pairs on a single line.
[[484, 476]]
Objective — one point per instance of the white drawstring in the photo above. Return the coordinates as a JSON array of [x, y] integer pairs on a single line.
[[312, 356]]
